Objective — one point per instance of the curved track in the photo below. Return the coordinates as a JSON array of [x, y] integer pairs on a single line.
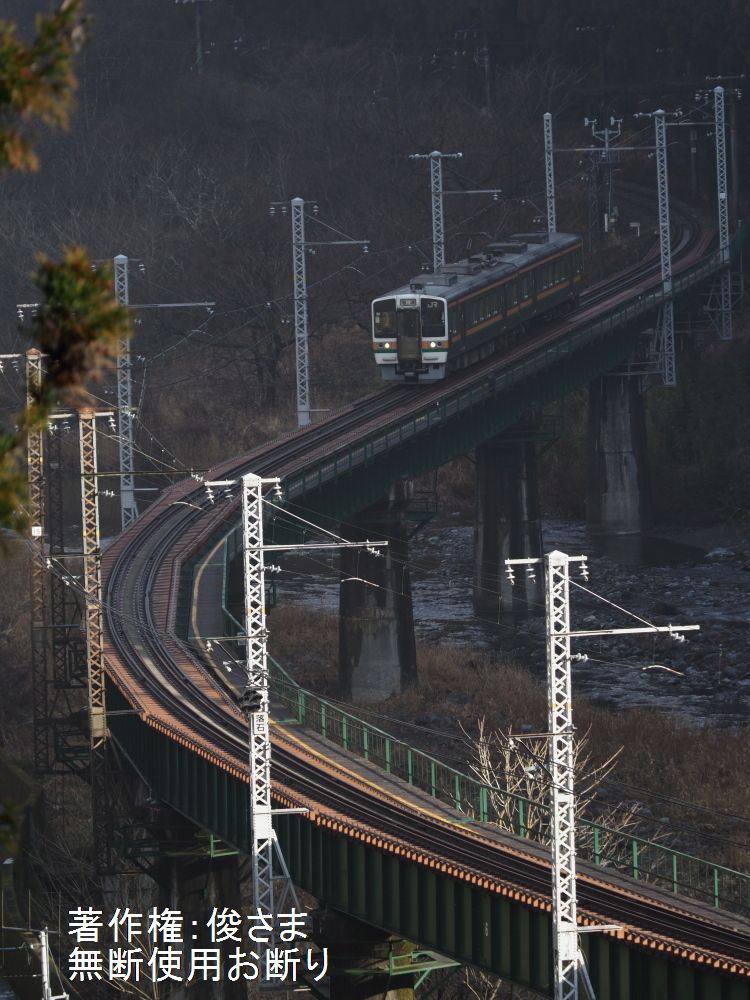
[[166, 682]]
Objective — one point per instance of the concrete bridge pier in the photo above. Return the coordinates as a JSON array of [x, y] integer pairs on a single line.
[[507, 525], [377, 651], [618, 500], [362, 959], [194, 885]]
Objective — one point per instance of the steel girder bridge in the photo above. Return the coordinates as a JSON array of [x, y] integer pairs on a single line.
[[394, 857]]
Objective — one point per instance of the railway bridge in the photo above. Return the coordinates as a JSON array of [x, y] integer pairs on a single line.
[[392, 838]]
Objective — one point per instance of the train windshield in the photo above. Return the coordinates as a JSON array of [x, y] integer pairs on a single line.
[[385, 318], [433, 318]]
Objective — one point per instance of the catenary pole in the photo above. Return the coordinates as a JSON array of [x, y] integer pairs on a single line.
[[571, 979], [92, 583], [669, 376], [549, 174], [272, 893], [300, 246], [125, 412], [39, 666], [128, 509], [301, 333], [722, 203], [436, 194]]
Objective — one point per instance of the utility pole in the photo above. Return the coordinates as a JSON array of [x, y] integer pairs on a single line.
[[301, 320], [254, 700], [734, 187], [436, 188], [125, 414], [128, 509], [92, 583], [666, 312], [606, 156], [47, 993], [35, 472], [722, 202], [198, 31], [549, 174], [669, 377], [569, 966]]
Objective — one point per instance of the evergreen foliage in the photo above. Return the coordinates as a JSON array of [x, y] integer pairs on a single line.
[[79, 322]]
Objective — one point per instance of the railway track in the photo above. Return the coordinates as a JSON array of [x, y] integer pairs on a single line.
[[170, 687]]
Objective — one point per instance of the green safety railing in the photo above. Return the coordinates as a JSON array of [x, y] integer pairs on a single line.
[[635, 856]]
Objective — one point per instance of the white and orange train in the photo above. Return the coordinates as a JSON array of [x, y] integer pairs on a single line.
[[475, 307]]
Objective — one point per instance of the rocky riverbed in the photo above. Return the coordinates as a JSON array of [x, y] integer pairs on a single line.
[[679, 577]]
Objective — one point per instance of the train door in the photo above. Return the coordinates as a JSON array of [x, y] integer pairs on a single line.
[[409, 337]]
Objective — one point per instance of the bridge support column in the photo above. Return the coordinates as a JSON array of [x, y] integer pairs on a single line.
[[507, 525], [194, 886], [362, 960], [377, 652], [619, 486]]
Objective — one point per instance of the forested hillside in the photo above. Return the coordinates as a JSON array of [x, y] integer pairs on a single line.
[[193, 117]]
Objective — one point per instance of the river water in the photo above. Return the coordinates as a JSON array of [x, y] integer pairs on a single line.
[[699, 578]]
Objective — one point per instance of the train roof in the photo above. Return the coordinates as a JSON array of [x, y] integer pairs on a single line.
[[497, 260]]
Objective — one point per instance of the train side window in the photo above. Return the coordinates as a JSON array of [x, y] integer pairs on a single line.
[[460, 320], [457, 320]]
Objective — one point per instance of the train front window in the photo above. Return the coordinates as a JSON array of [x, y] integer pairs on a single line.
[[433, 318], [385, 318]]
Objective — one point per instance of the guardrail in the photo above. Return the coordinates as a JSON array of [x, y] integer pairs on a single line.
[[637, 857], [634, 856]]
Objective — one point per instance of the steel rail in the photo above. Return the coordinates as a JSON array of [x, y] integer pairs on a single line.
[[153, 667]]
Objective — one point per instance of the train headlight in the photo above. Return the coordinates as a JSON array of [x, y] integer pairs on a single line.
[[433, 344], [386, 345]]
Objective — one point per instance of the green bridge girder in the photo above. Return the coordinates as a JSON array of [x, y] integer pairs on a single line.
[[352, 477], [464, 922]]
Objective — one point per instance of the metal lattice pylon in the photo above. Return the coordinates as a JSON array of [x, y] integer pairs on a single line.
[[271, 894], [549, 173], [300, 312], [94, 638], [438, 227], [666, 314], [39, 666], [722, 201], [559, 698], [128, 508], [436, 192]]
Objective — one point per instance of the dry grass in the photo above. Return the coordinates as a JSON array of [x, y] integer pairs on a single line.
[[458, 686]]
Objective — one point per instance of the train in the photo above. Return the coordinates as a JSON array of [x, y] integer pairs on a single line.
[[453, 318]]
